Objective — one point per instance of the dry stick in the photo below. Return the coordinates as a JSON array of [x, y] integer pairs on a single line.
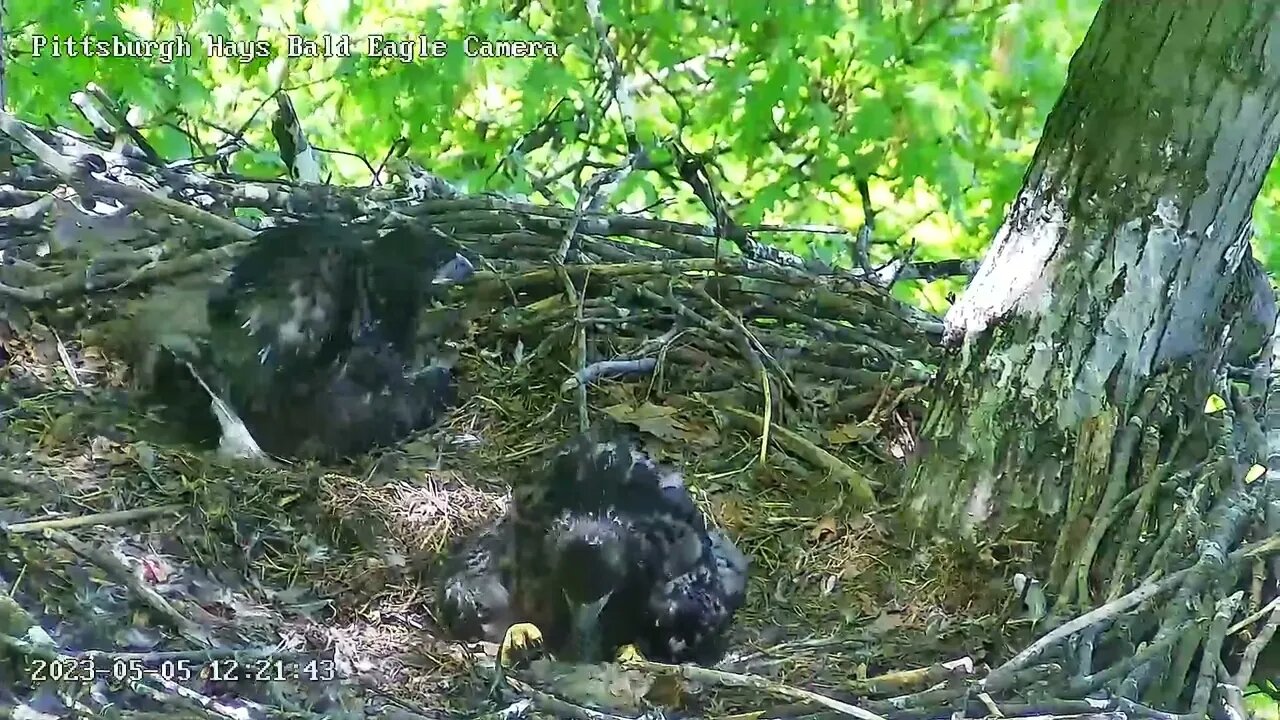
[[752, 351], [861, 488], [1174, 667], [752, 682], [585, 197], [1139, 594], [580, 340], [602, 369], [27, 139], [122, 123], [1225, 517], [1173, 536], [554, 704], [740, 340], [115, 568], [1234, 701], [107, 518], [1127, 438], [693, 240], [1086, 684], [1244, 674], [169, 268], [1133, 530], [155, 271], [545, 275], [180, 209], [785, 648], [659, 343], [1212, 654], [1153, 553], [993, 710], [579, 331], [1257, 582], [750, 338], [902, 680], [50, 157], [754, 346], [67, 364], [1270, 607], [580, 349], [30, 211], [173, 693], [518, 709], [767, 421], [949, 693]]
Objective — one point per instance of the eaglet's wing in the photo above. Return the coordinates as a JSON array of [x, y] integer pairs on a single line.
[[473, 599], [291, 295]]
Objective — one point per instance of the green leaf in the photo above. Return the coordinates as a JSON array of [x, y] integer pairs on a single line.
[[1260, 705]]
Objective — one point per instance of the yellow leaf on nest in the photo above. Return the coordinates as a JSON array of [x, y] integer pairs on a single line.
[[1214, 404], [657, 420], [660, 421], [847, 433], [1254, 473]]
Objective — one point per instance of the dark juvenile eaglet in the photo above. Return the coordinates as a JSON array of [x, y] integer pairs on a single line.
[[601, 548], [312, 340]]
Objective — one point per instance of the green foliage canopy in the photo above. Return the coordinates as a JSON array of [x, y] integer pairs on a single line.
[[937, 104]]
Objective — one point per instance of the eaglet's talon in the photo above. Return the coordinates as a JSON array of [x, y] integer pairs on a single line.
[[521, 642], [628, 654]]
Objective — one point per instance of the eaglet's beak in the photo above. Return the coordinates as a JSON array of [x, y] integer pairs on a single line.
[[584, 638]]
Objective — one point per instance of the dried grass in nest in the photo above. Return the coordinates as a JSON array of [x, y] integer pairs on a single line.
[[425, 514]]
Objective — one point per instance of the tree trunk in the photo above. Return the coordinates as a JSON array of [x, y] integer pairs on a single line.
[[1081, 356]]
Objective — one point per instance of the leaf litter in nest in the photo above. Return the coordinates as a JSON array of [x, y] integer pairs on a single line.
[[662, 422]]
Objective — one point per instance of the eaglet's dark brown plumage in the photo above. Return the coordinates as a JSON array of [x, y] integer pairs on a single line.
[[601, 548], [311, 340]]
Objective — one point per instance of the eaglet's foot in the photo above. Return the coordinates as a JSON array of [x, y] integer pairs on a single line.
[[628, 654], [522, 642]]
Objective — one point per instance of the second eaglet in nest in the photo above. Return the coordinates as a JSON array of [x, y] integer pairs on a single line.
[[602, 549], [312, 340]]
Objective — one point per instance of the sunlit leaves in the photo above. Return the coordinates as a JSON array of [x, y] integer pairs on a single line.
[[181, 12], [793, 100]]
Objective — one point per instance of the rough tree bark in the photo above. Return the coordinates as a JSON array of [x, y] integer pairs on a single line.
[[1081, 355]]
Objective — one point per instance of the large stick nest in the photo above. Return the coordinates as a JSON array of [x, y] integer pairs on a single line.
[[789, 398]]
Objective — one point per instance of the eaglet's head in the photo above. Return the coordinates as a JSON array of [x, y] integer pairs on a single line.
[[590, 555]]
